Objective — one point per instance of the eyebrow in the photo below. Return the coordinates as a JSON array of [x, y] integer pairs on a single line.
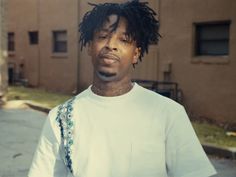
[[107, 31], [104, 30]]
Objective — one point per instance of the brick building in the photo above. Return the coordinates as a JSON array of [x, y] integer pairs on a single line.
[[197, 50]]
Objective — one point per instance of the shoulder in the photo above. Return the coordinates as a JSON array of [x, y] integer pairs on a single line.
[[65, 109], [68, 103], [151, 97], [165, 110]]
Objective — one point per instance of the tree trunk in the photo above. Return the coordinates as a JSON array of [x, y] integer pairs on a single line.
[[3, 52]]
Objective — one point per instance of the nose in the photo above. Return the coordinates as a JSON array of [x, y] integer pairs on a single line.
[[111, 43]]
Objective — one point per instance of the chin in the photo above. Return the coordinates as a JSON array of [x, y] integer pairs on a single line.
[[106, 76]]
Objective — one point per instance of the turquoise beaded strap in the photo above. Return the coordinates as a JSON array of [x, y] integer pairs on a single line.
[[66, 125]]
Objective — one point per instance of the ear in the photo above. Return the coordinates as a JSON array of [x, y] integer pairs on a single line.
[[137, 53], [89, 49]]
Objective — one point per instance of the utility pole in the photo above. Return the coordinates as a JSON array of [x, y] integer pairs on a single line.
[[3, 52]]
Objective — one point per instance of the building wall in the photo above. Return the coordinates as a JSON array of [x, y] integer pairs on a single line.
[[208, 82], [22, 18], [3, 52], [58, 71], [43, 67]]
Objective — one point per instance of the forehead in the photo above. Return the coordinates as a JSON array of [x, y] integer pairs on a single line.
[[112, 23]]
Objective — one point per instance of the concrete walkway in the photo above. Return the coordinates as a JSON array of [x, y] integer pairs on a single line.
[[224, 167], [19, 133]]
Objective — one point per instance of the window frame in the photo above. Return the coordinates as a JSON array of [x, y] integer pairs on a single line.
[[33, 37], [56, 42], [11, 42], [198, 41]]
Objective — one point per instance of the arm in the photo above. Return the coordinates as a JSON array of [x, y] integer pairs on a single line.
[[184, 153], [47, 161]]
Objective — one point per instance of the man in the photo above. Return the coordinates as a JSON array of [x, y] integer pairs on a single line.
[[116, 128]]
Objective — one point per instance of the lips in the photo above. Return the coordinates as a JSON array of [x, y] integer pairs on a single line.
[[108, 58]]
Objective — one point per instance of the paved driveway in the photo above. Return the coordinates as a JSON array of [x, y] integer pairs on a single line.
[[224, 167], [19, 133]]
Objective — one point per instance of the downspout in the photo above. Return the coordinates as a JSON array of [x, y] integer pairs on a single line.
[[78, 50], [158, 51], [39, 56]]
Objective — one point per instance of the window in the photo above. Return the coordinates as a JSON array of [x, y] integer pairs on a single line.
[[11, 41], [212, 38], [33, 37], [60, 41]]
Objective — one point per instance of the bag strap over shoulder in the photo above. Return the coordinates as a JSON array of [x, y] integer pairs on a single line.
[[66, 125]]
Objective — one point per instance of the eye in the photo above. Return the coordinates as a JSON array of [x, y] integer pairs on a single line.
[[102, 36], [125, 40]]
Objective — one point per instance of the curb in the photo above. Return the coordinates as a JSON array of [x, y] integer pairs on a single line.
[[225, 152], [37, 107]]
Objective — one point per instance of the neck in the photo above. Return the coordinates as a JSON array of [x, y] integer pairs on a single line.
[[111, 88]]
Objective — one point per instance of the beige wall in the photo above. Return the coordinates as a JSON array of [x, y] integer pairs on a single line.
[[208, 83], [58, 71], [3, 53], [43, 67], [21, 18]]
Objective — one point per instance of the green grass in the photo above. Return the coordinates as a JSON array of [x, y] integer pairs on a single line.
[[47, 99], [213, 134], [207, 133]]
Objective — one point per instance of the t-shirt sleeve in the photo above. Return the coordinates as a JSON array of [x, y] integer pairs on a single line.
[[184, 154], [47, 161]]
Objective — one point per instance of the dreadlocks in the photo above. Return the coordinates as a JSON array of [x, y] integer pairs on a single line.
[[142, 26]]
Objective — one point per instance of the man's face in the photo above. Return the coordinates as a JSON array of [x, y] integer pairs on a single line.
[[112, 52]]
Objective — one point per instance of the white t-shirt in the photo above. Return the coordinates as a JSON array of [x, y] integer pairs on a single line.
[[138, 134]]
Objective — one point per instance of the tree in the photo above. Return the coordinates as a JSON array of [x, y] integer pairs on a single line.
[[3, 52]]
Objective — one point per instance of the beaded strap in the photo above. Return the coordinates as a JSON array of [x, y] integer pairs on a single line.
[[66, 125]]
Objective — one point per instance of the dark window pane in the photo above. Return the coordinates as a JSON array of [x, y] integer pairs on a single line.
[[11, 42], [214, 48], [60, 47], [214, 32], [33, 37]]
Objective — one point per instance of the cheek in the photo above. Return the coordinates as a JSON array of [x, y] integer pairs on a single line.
[[99, 45], [94, 53]]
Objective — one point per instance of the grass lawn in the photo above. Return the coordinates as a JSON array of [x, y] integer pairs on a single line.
[[207, 133], [212, 134], [47, 99]]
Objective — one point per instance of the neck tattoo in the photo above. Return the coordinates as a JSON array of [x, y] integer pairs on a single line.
[[112, 92]]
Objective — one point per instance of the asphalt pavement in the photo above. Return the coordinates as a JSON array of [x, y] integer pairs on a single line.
[[19, 133]]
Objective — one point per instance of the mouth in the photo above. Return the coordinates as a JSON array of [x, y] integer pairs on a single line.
[[104, 74], [108, 59]]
